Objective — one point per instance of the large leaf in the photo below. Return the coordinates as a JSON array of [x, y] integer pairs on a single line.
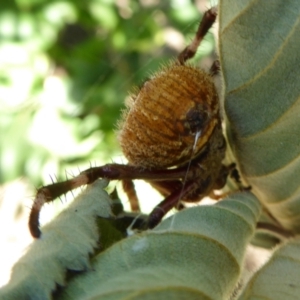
[[279, 278], [66, 244], [260, 59], [196, 254]]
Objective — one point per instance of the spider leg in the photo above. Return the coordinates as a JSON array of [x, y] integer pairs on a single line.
[[194, 189], [168, 203], [166, 187], [215, 68], [173, 200], [129, 189], [207, 21], [110, 171]]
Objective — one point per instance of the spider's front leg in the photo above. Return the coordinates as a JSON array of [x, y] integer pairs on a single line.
[[196, 188], [206, 23], [110, 171], [172, 201]]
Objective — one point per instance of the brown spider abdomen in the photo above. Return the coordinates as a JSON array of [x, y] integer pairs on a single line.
[[159, 127]]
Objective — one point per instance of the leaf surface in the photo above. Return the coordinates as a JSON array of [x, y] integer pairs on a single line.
[[196, 254], [279, 277], [65, 244], [259, 53]]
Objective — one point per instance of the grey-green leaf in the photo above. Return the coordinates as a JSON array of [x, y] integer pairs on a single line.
[[66, 243], [196, 254], [260, 59], [279, 278]]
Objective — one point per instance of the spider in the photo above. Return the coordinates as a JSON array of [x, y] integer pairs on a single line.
[[171, 135]]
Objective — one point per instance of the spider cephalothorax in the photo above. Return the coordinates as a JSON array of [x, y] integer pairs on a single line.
[[171, 135]]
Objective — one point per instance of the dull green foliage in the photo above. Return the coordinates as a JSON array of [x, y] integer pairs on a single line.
[[279, 278], [259, 52], [177, 259], [66, 244]]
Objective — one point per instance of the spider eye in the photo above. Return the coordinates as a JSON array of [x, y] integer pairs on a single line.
[[196, 120]]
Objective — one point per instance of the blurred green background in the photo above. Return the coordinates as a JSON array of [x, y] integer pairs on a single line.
[[66, 69]]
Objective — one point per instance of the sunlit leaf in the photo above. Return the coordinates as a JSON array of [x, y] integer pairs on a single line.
[[66, 244]]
